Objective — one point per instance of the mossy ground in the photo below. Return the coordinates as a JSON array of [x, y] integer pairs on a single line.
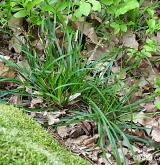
[[23, 141]]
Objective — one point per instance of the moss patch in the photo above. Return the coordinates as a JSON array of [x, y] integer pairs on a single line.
[[23, 141]]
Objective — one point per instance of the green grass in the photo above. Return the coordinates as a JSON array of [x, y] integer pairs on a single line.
[[23, 141], [62, 72], [57, 76]]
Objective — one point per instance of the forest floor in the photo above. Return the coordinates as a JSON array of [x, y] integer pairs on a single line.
[[136, 78]]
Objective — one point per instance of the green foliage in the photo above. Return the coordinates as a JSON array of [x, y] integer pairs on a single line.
[[111, 116], [120, 14], [119, 26], [126, 6], [123, 15], [153, 21], [157, 82], [61, 74], [34, 10], [21, 8], [149, 47], [116, 9], [86, 6], [157, 104], [157, 92], [58, 75]]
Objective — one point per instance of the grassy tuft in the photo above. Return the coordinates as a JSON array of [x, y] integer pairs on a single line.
[[61, 73]]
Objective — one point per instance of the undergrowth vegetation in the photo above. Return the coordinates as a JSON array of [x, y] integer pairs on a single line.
[[61, 76]]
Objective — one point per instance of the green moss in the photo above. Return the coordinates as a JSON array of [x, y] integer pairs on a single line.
[[23, 141]]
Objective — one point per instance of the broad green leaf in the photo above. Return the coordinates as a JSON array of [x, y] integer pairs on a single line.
[[61, 6], [12, 4], [157, 25], [96, 6], [117, 1], [157, 81], [157, 91], [48, 8], [78, 13], [127, 6], [148, 48], [157, 104], [150, 12], [24, 2], [21, 13], [31, 5], [123, 27], [144, 53], [107, 2], [116, 27], [84, 9], [151, 23]]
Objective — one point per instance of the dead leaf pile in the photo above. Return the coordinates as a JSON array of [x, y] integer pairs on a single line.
[[6, 72]]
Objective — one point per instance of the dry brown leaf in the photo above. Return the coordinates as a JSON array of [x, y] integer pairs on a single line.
[[76, 132], [156, 134], [122, 151], [58, 114], [129, 40], [15, 24], [158, 38], [77, 141], [62, 131], [158, 121], [73, 97], [143, 82], [38, 45], [52, 121], [97, 52], [94, 17], [36, 101], [88, 30], [14, 43], [148, 107], [116, 69], [15, 100], [91, 140], [145, 120], [150, 123], [139, 118], [53, 117], [103, 161], [6, 71]]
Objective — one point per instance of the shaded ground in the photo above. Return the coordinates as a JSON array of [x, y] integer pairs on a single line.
[[82, 138]]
